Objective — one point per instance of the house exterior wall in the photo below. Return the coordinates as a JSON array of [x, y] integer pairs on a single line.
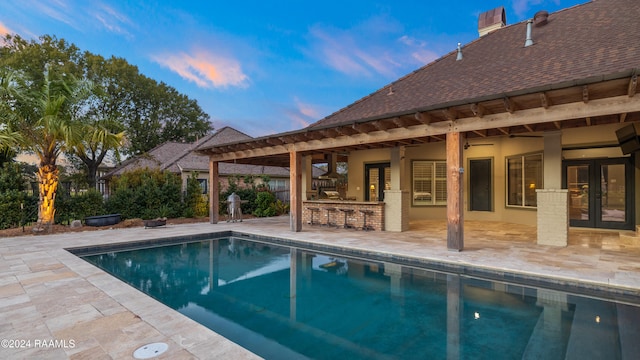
[[498, 149]]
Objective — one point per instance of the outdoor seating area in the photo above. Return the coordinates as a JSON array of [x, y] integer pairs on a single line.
[[356, 215]]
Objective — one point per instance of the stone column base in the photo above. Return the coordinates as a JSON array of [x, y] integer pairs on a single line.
[[553, 217], [396, 210]]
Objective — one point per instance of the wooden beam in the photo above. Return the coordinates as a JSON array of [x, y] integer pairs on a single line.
[[509, 106], [382, 125], [478, 110], [623, 117], [295, 191], [633, 84], [363, 128], [423, 118], [214, 192], [455, 208], [561, 112], [557, 124], [346, 130], [528, 127], [585, 94], [544, 100], [400, 122], [481, 133], [274, 141], [504, 131], [588, 120], [450, 114]]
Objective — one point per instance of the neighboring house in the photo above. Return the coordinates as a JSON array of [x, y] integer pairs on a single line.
[[530, 123], [179, 158]]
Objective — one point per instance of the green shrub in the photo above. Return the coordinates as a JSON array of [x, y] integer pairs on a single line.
[[265, 204], [195, 203], [146, 194], [17, 208]]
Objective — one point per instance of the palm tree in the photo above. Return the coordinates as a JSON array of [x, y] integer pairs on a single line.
[[39, 121]]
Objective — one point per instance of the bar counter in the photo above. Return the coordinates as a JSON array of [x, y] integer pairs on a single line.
[[323, 214]]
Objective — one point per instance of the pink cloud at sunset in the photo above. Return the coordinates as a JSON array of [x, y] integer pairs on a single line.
[[204, 69]]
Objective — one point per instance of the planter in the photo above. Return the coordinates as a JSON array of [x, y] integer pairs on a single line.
[[155, 222], [102, 220]]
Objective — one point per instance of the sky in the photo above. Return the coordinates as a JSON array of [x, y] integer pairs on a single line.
[[266, 67]]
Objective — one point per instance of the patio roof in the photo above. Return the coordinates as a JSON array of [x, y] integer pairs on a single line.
[[581, 71]]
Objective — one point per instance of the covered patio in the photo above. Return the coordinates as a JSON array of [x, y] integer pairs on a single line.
[[498, 91]]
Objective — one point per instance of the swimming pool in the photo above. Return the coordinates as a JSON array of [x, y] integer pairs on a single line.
[[281, 301]]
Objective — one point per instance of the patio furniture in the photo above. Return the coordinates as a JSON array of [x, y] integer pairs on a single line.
[[364, 213], [313, 211], [328, 212], [346, 213]]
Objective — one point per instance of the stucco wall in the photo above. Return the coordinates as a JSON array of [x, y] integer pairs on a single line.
[[496, 148]]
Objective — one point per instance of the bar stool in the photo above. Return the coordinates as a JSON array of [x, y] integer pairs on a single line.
[[364, 213], [346, 212], [329, 211], [313, 211]]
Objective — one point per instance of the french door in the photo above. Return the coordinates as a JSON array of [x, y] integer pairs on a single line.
[[600, 192], [377, 179]]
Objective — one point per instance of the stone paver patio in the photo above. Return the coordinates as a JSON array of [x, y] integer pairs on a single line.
[[54, 305]]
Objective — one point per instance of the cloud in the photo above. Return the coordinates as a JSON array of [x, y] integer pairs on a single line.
[[111, 19], [4, 30], [205, 69], [57, 9], [376, 47]]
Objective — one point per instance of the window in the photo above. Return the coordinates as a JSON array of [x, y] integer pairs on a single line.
[[204, 185], [524, 176], [429, 183]]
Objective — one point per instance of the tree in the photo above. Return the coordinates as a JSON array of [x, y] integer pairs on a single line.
[[121, 100], [45, 128]]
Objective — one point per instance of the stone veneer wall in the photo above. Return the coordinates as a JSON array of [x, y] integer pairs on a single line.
[[376, 220], [553, 217]]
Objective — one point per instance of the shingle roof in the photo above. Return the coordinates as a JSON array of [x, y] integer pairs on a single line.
[[177, 157], [596, 39]]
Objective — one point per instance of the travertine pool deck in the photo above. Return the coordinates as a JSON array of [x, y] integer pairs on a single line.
[[53, 305]]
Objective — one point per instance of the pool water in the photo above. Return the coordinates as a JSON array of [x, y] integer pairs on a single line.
[[283, 302]]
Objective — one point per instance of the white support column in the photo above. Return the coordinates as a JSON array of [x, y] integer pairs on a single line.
[[396, 199], [553, 201]]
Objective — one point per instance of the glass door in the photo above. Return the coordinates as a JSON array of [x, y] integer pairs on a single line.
[[600, 193], [377, 179]]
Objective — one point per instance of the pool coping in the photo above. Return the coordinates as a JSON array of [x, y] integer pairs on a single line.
[[565, 284]]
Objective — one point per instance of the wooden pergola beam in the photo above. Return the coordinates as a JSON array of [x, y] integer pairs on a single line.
[[561, 112], [545, 102], [623, 117], [509, 105], [481, 133], [478, 110], [633, 84], [585, 94], [423, 118]]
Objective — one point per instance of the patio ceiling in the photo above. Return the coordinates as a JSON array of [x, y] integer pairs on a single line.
[[595, 101]]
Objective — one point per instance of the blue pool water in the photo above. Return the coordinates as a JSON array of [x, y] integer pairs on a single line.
[[283, 302]]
